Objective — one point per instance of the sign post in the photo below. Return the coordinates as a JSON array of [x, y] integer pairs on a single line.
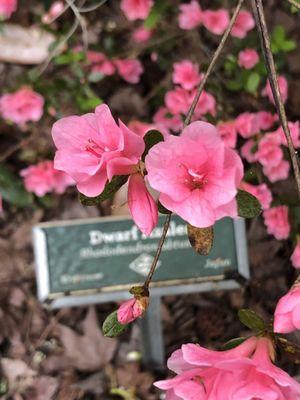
[[85, 262]]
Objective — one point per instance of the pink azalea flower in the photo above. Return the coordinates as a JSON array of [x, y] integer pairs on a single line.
[[186, 74], [246, 125], [190, 15], [269, 151], [243, 24], [7, 7], [178, 100], [130, 70], [140, 128], [43, 178], [295, 134], [136, 9], [295, 257], [248, 58], [92, 148], [287, 313], [243, 373], [261, 192], [165, 122], [142, 34], [277, 172], [248, 151], [216, 21], [54, 11], [196, 174], [129, 311], [100, 63], [141, 204], [264, 120], [228, 133], [22, 106], [277, 222], [283, 87]]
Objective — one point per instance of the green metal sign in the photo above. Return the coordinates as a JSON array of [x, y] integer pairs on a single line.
[[97, 260]]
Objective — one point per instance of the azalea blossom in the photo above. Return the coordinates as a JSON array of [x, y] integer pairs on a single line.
[[294, 131], [142, 34], [54, 11], [178, 100], [247, 124], [130, 310], [261, 192], [277, 222], [287, 313], [166, 122], [136, 9], [130, 70], [22, 106], [216, 21], [186, 74], [228, 133], [244, 372], [248, 151], [264, 120], [7, 7], [243, 24], [269, 151], [277, 172], [43, 178], [196, 174], [295, 257], [190, 15], [283, 88], [92, 149], [141, 204], [100, 63], [206, 104], [140, 128], [248, 58]]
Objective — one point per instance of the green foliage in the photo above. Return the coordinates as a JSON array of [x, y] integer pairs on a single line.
[[279, 41], [12, 189], [110, 189], [252, 320], [69, 57], [248, 205], [151, 139], [253, 82], [111, 326], [231, 344], [156, 14]]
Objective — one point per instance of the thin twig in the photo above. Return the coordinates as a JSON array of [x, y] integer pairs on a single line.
[[273, 79], [186, 122], [158, 251], [295, 4], [81, 21], [213, 62]]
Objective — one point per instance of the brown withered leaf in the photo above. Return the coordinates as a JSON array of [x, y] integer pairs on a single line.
[[201, 239]]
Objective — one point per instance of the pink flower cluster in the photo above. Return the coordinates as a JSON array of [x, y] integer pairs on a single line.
[[245, 372], [196, 174], [216, 21], [277, 222], [129, 69], [54, 11], [22, 106], [248, 58], [7, 7], [287, 313], [43, 178]]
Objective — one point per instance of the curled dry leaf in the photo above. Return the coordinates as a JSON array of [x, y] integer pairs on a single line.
[[201, 239], [22, 45]]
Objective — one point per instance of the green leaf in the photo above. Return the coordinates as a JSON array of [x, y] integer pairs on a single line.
[[12, 189], [111, 326], [289, 45], [253, 82], [252, 320], [151, 139], [248, 205], [155, 15], [162, 209], [110, 189], [231, 344], [234, 85], [201, 239]]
